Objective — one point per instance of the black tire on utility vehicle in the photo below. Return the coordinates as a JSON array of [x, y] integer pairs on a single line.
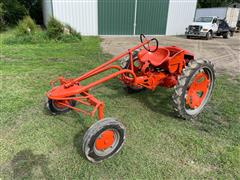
[[125, 65], [226, 35], [103, 139], [55, 108], [209, 35], [194, 88]]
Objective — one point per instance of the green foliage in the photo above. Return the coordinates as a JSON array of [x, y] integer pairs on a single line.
[[73, 32], [69, 38], [2, 22], [34, 8], [214, 3], [55, 28], [57, 31], [14, 11], [37, 37], [26, 26], [40, 37], [27, 32]]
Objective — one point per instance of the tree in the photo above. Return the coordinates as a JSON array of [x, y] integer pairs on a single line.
[[2, 22], [13, 11], [34, 8], [215, 3]]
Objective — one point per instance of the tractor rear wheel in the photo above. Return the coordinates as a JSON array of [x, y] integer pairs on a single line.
[[194, 88], [103, 139], [55, 107]]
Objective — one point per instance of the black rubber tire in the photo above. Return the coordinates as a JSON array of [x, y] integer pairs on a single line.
[[188, 37], [183, 81], [94, 131], [54, 110], [132, 89], [226, 35], [209, 35]]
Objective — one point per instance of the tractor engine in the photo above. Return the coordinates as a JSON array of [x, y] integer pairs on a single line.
[[148, 75]]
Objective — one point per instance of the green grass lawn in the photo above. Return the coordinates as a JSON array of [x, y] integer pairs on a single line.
[[36, 145]]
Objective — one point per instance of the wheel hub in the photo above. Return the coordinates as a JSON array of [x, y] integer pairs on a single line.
[[105, 140], [197, 90]]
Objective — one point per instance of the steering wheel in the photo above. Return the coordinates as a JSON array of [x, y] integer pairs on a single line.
[[142, 39]]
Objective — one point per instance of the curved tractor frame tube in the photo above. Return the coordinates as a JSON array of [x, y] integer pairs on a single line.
[[72, 90]]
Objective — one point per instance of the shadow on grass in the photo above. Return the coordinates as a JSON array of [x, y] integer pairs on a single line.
[[64, 118], [78, 138], [24, 162], [159, 101], [77, 143]]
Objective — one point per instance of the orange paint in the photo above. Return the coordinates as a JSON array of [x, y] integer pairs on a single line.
[[158, 68], [197, 90], [105, 140]]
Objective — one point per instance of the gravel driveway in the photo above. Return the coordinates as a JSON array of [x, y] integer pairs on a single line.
[[224, 53]]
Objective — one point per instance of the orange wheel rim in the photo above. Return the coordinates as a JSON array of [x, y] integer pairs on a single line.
[[105, 140], [197, 90]]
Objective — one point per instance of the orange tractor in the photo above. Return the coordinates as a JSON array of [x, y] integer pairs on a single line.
[[145, 66]]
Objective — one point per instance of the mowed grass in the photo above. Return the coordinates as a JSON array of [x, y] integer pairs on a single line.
[[36, 145]]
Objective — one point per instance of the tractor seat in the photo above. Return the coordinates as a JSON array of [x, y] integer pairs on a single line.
[[155, 58]]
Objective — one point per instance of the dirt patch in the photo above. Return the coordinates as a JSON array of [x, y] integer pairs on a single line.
[[8, 58], [56, 59], [224, 53]]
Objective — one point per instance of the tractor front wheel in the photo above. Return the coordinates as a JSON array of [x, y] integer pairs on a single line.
[[103, 139], [194, 88], [55, 106]]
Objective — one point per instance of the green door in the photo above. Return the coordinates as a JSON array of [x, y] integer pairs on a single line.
[[116, 17], [151, 16]]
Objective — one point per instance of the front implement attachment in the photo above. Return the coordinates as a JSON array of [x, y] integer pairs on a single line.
[[61, 96], [71, 89]]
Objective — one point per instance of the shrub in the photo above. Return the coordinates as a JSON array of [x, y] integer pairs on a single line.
[[73, 32], [69, 38], [26, 26], [54, 28], [27, 32], [14, 11]]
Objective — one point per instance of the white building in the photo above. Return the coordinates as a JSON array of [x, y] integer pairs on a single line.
[[123, 17]]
